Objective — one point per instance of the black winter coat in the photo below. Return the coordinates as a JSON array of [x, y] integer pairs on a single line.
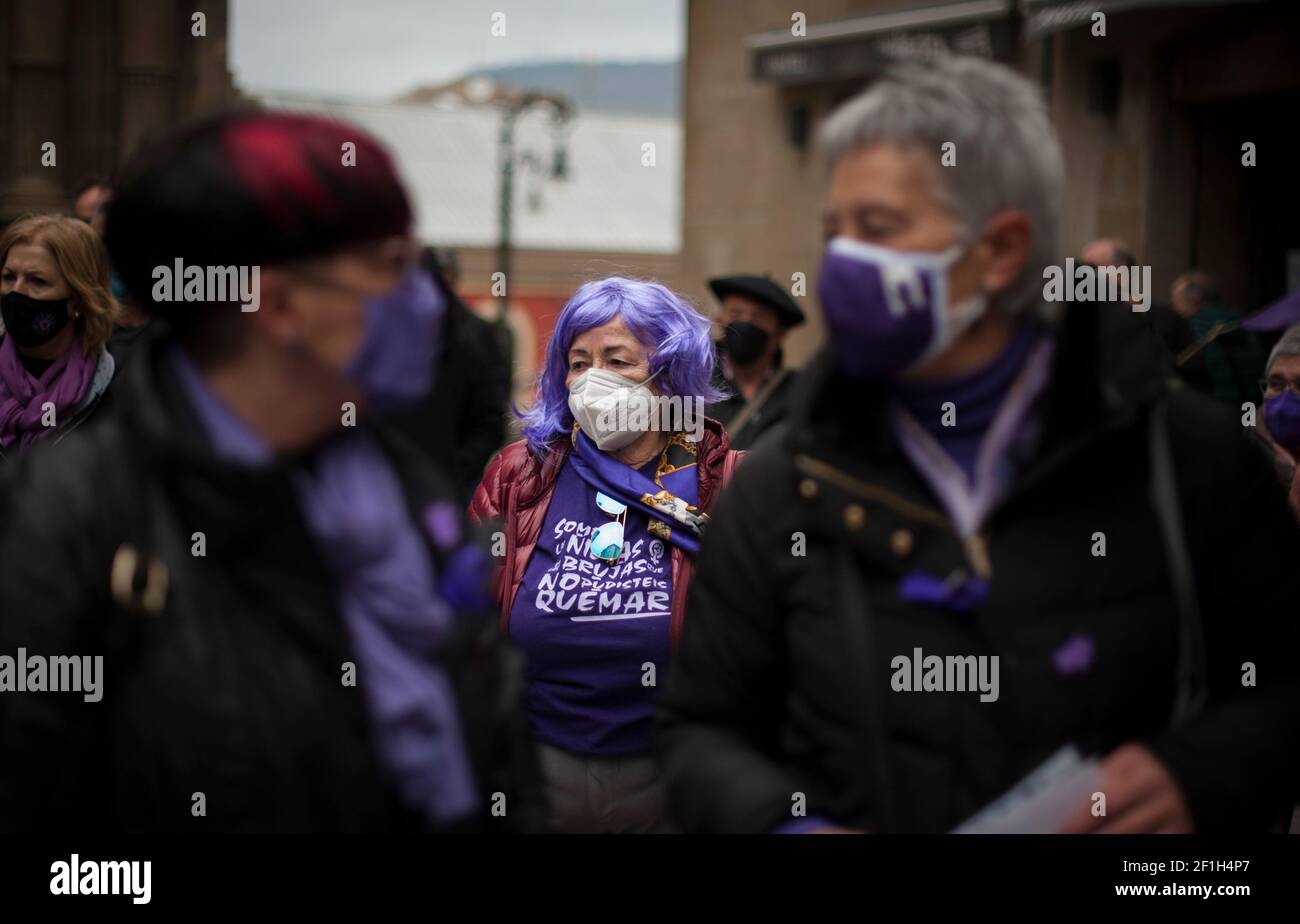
[[772, 412], [462, 422], [234, 689], [782, 683]]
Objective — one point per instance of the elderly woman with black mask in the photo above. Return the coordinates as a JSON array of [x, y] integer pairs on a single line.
[[280, 594]]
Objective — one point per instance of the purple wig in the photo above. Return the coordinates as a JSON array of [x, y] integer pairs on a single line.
[[681, 349]]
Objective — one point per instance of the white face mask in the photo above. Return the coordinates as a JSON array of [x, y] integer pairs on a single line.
[[610, 409]]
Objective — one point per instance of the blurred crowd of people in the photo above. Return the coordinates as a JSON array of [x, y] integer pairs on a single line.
[[329, 597]]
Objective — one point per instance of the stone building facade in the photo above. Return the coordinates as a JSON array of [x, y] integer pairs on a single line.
[[1153, 117], [96, 78]]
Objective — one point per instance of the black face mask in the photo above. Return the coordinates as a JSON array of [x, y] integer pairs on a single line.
[[30, 321], [744, 342]]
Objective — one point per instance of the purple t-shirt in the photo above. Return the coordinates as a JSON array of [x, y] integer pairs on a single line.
[[589, 628]]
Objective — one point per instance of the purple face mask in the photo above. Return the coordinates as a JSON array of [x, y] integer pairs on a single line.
[[394, 364], [887, 310], [1282, 417]]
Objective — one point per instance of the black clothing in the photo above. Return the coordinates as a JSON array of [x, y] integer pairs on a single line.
[[1227, 365], [122, 344], [782, 683], [767, 416], [462, 422], [35, 367], [234, 689], [1170, 329]]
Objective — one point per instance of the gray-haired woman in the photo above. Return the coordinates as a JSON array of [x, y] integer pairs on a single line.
[[951, 473]]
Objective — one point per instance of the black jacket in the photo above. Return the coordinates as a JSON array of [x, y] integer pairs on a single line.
[[782, 682], [462, 422], [235, 688], [771, 413]]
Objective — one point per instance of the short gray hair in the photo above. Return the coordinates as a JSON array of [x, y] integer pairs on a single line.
[[1289, 345], [1007, 153]]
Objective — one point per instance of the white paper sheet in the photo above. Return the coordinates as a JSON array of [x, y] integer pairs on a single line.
[[1043, 800]]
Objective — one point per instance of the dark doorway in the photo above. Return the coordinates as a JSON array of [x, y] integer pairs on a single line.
[[1246, 219]]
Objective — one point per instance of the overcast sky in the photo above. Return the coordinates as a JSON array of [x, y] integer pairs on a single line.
[[377, 48]]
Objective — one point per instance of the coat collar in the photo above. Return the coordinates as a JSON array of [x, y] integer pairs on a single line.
[[166, 434], [1105, 368]]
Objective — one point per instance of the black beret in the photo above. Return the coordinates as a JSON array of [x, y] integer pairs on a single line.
[[763, 290]]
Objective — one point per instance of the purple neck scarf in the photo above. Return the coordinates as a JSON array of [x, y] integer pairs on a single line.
[[605, 473], [23, 397], [969, 495], [356, 511], [976, 397]]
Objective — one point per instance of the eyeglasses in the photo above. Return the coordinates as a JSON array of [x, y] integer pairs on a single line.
[[607, 540], [1275, 385], [393, 256]]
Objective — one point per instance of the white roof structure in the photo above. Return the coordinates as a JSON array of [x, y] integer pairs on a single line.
[[449, 161]]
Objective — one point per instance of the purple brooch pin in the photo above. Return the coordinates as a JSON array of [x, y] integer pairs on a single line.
[[1075, 655], [442, 520]]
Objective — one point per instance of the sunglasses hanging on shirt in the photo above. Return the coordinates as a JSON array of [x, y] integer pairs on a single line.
[[607, 540]]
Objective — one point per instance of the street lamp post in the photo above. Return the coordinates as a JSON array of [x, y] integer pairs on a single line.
[[480, 91], [505, 206], [513, 104]]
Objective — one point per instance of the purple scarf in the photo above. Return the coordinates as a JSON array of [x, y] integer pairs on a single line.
[[354, 507], [23, 396], [605, 473]]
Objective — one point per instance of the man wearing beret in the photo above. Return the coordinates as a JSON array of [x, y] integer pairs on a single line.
[[755, 315]]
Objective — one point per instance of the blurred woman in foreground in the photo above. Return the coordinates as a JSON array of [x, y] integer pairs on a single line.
[[277, 591]]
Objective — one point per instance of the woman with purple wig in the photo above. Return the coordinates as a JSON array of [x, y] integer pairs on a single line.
[[604, 502]]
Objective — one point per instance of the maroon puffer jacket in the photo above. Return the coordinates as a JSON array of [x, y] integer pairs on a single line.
[[517, 489]]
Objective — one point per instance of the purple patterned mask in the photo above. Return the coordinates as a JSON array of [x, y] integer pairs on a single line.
[[887, 310], [1282, 416], [32, 321], [394, 364]]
